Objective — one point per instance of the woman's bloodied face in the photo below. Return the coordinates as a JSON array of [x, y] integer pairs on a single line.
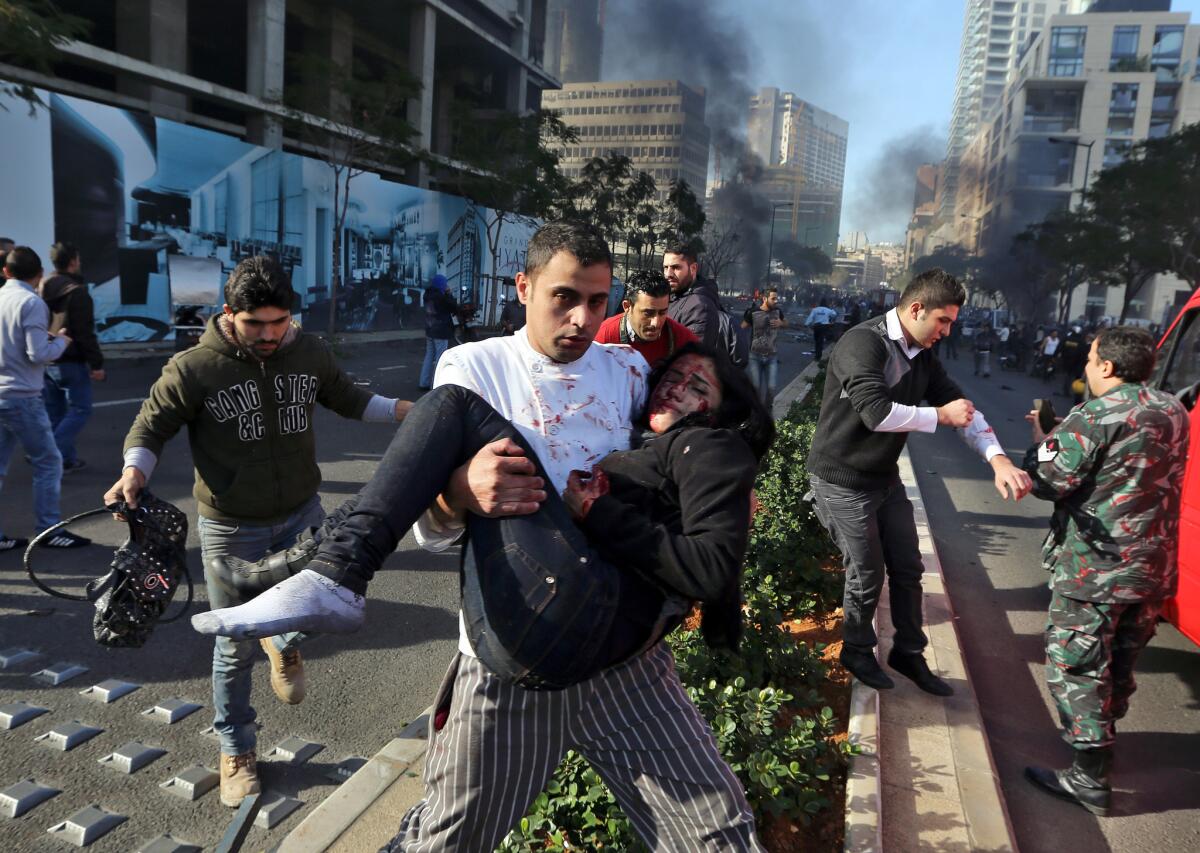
[[689, 386]]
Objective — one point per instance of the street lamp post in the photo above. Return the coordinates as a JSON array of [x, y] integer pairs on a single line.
[[771, 240], [1087, 168]]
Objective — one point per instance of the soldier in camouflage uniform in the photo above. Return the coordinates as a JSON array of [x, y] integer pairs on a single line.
[[1114, 469]]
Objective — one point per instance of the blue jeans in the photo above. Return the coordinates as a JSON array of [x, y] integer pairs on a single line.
[[24, 421], [233, 715], [434, 347], [764, 372], [68, 395]]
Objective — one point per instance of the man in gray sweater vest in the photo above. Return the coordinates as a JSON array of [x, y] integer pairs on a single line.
[[879, 374]]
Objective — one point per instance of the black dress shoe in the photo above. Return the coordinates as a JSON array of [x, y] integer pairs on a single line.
[[866, 669], [914, 668]]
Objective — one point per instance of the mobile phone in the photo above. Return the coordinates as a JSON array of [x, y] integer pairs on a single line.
[[1047, 419]]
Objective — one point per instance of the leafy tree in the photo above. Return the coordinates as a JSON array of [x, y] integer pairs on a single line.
[[512, 165], [952, 258], [804, 261], [359, 126], [31, 35]]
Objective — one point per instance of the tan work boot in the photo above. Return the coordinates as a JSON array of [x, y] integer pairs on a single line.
[[239, 778], [287, 672]]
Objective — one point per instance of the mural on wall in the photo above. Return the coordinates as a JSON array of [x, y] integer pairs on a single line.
[[162, 212]]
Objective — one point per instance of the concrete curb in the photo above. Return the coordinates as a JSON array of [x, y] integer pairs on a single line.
[[976, 785], [334, 815]]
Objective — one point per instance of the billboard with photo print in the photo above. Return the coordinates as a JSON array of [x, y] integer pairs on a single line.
[[162, 212]]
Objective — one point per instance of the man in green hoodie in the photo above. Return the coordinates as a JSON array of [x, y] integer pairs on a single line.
[[246, 394]]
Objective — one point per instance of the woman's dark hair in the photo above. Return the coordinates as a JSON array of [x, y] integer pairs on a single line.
[[740, 409], [259, 282]]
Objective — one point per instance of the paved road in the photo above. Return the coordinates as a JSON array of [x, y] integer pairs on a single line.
[[989, 551], [362, 688]]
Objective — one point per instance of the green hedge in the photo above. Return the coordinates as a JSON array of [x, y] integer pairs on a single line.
[[764, 703]]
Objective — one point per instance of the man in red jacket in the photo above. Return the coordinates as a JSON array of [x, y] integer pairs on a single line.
[[643, 323]]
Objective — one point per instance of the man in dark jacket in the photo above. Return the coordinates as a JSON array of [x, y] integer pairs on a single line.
[[68, 391], [439, 327], [246, 394], [695, 302], [879, 374]]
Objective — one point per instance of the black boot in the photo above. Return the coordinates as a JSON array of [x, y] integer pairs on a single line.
[[1084, 782], [864, 667], [914, 667]]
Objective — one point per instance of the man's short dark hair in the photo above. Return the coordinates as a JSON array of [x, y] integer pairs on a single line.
[[581, 239], [258, 282], [934, 289], [685, 249], [650, 282], [1130, 349], [62, 255], [7, 241], [22, 263]]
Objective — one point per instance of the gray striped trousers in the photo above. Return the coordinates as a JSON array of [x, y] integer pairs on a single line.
[[635, 725]]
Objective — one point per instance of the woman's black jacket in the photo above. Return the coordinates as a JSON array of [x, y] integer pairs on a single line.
[[678, 514]]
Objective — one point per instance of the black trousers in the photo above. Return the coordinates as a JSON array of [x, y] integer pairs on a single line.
[[538, 600]]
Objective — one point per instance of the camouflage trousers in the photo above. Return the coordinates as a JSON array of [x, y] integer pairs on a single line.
[[1091, 648]]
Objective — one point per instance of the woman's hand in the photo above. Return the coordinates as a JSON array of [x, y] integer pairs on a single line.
[[583, 489]]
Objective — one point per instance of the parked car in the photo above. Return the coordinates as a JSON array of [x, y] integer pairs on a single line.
[[1178, 371]]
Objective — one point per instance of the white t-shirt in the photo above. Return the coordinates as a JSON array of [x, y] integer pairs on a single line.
[[1050, 345], [572, 415]]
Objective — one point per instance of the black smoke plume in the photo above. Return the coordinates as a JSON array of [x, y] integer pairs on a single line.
[[884, 202]]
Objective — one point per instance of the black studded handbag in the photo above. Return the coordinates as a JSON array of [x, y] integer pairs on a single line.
[[144, 574]]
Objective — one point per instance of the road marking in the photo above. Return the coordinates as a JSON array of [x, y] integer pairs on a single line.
[[118, 402], [393, 367]]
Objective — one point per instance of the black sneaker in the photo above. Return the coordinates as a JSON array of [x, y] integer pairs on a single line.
[[65, 539], [9, 544], [74, 465]]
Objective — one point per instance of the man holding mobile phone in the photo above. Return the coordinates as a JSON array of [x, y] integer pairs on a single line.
[[1114, 469]]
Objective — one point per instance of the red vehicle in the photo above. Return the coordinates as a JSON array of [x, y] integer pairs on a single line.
[[1178, 371]]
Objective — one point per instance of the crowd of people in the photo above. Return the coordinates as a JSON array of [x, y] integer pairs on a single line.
[[599, 473]]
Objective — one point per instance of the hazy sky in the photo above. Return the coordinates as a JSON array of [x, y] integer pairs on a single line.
[[886, 66]]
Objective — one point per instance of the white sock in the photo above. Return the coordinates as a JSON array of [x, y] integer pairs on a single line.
[[306, 602]]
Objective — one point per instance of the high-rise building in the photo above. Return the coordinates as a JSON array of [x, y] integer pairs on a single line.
[[993, 34], [574, 39], [917, 241], [1084, 91], [803, 149], [784, 130], [659, 124]]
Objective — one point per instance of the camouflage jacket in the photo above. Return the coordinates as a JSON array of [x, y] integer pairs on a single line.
[[1114, 469]]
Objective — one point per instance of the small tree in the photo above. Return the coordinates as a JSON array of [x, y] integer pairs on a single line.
[[803, 261], [358, 124], [513, 166], [32, 33]]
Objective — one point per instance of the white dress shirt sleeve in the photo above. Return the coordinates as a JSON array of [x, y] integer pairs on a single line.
[[981, 438], [904, 418]]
